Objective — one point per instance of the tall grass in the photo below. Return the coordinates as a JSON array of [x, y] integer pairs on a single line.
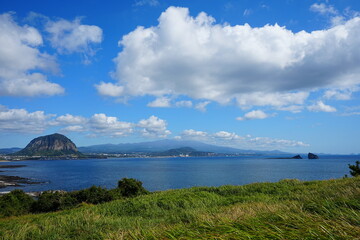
[[289, 209]]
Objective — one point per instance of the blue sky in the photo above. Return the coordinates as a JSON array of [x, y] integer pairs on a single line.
[[248, 74]]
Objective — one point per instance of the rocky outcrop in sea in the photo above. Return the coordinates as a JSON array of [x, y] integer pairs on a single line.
[[313, 156]]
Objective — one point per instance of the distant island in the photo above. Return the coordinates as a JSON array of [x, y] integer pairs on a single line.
[[310, 156]]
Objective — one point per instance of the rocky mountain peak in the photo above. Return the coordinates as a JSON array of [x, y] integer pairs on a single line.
[[50, 145]]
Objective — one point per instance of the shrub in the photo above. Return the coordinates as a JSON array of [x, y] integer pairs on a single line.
[[355, 169], [15, 203], [68, 201], [48, 201], [130, 187], [93, 195]]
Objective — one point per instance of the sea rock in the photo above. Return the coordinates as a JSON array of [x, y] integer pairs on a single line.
[[313, 156], [297, 157]]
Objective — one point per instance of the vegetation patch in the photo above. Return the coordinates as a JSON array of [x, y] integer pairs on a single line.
[[289, 209]]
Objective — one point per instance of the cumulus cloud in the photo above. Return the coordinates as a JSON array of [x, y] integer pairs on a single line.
[[263, 66], [74, 128], [22, 121], [226, 135], [243, 142], [153, 127], [73, 37], [69, 119], [160, 102], [319, 106], [109, 89], [193, 133], [323, 8], [256, 114], [101, 124], [21, 62], [184, 103]]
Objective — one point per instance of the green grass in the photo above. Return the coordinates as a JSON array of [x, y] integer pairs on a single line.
[[289, 209]]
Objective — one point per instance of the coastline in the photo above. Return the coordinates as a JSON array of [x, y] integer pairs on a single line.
[[14, 181]]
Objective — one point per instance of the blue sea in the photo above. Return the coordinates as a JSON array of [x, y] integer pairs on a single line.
[[173, 173]]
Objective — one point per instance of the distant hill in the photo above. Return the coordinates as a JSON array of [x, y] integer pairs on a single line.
[[165, 145], [50, 145], [183, 151], [9, 150]]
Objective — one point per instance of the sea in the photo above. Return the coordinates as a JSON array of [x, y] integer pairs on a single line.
[[159, 174]]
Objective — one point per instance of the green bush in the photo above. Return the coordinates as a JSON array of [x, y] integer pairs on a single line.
[[355, 169], [18, 203], [130, 187], [15, 203], [93, 195], [48, 201]]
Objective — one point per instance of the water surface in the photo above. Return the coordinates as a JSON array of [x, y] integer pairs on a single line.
[[173, 173]]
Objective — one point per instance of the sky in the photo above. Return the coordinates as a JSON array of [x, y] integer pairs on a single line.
[[249, 74]]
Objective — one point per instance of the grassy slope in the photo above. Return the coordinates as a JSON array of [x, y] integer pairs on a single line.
[[289, 209]]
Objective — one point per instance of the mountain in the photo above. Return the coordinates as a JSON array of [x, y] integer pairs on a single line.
[[165, 145], [183, 151], [50, 145], [9, 150]]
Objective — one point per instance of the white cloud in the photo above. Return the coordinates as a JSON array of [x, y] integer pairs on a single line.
[[291, 108], [263, 66], [324, 9], [230, 139], [74, 128], [339, 94], [226, 135], [247, 12], [69, 119], [21, 61], [256, 114], [319, 106], [160, 102], [98, 124], [271, 99], [72, 36], [334, 16], [351, 114], [349, 111], [184, 103], [271, 143], [193, 133], [110, 89], [146, 2], [153, 127], [22, 121], [202, 106], [101, 124]]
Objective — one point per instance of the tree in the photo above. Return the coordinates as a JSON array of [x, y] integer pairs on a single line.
[[130, 187], [17, 202], [93, 195], [355, 169]]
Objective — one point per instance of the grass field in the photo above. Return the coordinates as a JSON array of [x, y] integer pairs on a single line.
[[289, 209]]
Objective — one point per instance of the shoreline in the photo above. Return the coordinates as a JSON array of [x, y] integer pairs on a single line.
[[14, 181]]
